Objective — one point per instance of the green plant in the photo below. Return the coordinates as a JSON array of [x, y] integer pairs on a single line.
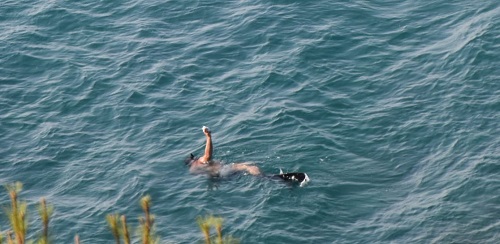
[[205, 228], [206, 223], [119, 227], [45, 213], [147, 230], [17, 213], [113, 225], [126, 236]]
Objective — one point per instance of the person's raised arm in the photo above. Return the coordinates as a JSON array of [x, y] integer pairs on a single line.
[[208, 147]]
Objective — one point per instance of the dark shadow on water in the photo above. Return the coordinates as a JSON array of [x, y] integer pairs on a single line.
[[213, 183]]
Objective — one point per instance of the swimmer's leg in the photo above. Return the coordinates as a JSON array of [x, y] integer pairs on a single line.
[[251, 169]]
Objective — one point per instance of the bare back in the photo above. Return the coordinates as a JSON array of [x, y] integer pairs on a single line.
[[211, 168]]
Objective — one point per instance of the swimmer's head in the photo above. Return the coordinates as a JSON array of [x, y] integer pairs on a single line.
[[188, 161]]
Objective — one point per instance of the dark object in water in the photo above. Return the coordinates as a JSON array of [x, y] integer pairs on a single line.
[[298, 177]]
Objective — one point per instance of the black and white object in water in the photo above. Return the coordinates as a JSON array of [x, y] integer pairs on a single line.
[[298, 177]]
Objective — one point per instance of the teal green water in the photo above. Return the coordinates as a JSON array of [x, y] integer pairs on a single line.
[[391, 107]]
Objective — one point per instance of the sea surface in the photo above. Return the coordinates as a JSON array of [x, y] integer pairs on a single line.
[[391, 107]]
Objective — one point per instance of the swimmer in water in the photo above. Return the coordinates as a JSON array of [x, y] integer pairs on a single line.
[[206, 165]]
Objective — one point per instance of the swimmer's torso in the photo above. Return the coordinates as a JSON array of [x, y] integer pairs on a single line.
[[212, 168]]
